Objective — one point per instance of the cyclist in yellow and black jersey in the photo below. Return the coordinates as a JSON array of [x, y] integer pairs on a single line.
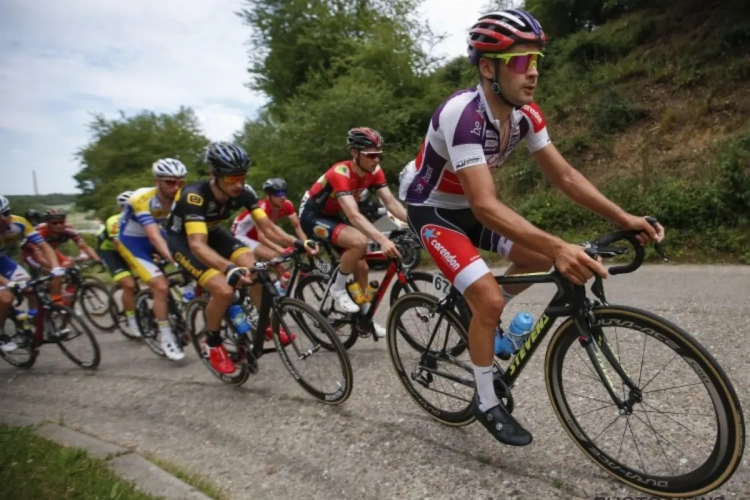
[[210, 253]]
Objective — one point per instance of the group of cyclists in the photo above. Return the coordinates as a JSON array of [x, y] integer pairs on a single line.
[[450, 204]]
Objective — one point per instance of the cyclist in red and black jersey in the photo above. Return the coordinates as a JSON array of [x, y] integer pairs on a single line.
[[335, 194]]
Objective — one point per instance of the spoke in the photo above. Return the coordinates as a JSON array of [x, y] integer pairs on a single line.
[[445, 393], [596, 376], [657, 373], [589, 397], [661, 436], [663, 452], [670, 418], [643, 352], [676, 413], [583, 374], [640, 457], [608, 426], [597, 409], [624, 430], [670, 388]]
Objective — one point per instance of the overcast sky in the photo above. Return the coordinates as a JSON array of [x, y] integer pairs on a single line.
[[62, 60]]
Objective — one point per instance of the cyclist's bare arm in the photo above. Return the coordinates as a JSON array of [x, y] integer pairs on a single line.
[[268, 241], [574, 184], [49, 254], [274, 232], [479, 187], [154, 236], [297, 227], [391, 203], [85, 248], [351, 210]]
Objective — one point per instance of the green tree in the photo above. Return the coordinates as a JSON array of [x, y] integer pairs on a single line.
[[122, 150]]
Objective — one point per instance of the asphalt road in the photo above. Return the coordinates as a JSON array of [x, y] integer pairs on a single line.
[[269, 439]]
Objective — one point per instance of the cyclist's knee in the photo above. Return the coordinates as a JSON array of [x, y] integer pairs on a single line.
[[6, 298], [127, 284], [485, 299], [220, 291], [159, 287]]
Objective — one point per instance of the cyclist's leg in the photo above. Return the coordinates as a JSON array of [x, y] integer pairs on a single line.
[[121, 274], [442, 235], [350, 242], [138, 252], [523, 260]]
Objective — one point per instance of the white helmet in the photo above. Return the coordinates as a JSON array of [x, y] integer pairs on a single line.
[[168, 167], [123, 198], [4, 204]]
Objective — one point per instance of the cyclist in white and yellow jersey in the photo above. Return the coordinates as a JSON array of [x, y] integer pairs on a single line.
[[141, 236]]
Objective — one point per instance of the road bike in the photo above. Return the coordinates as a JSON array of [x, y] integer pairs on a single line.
[[299, 320], [54, 324], [605, 375]]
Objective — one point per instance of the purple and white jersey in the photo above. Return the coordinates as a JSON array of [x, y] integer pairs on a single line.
[[463, 133]]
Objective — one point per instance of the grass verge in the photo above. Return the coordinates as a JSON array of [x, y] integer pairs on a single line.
[[197, 481], [34, 467]]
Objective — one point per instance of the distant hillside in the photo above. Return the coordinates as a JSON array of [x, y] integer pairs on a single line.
[[38, 202], [653, 107]]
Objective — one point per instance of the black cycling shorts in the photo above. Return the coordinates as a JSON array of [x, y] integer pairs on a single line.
[[220, 241], [321, 227], [451, 237], [115, 264]]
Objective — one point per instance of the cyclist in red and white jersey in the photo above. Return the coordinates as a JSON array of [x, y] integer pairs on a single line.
[[329, 211], [276, 206], [452, 204]]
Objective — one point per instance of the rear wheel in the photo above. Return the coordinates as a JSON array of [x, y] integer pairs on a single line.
[[440, 381], [237, 346], [25, 354], [147, 325], [310, 290]]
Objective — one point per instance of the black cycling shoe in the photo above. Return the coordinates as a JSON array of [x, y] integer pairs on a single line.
[[502, 425]]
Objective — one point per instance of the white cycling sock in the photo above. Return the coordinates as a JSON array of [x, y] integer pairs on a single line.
[[485, 387], [340, 283], [165, 330], [507, 296]]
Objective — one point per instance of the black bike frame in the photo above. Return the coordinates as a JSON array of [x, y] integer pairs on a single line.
[[570, 301]]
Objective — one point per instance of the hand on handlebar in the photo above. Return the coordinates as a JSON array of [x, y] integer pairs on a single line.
[[576, 265], [57, 272], [647, 230], [389, 249]]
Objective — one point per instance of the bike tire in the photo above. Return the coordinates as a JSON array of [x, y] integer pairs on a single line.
[[28, 345], [193, 308], [455, 418], [146, 322], [86, 331], [94, 319], [317, 283], [298, 308], [399, 289], [729, 447]]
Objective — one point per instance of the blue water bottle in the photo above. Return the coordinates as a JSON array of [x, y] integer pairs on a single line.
[[239, 318], [508, 344]]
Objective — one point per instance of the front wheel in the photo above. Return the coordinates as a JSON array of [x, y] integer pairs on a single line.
[[63, 327], [305, 353], [97, 305], [679, 432]]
